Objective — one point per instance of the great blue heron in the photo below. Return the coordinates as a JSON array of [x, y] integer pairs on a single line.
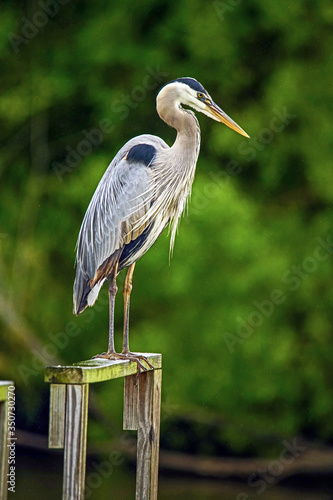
[[143, 190]]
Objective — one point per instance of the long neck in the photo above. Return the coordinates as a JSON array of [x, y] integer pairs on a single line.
[[177, 164], [187, 143]]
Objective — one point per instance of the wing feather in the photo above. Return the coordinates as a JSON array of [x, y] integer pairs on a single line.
[[112, 220]]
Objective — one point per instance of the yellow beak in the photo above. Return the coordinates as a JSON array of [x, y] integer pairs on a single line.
[[219, 115]]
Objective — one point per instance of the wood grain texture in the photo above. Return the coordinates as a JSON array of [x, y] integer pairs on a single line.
[[4, 384], [130, 419], [148, 435], [142, 404], [155, 436], [57, 416], [96, 370], [4, 450], [75, 442]]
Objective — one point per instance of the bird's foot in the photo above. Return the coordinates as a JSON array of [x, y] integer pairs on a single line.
[[134, 356], [131, 356]]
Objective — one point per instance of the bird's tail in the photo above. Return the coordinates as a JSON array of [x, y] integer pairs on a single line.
[[83, 294], [81, 291]]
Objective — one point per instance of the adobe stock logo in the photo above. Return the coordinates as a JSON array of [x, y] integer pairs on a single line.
[[293, 278], [226, 6], [94, 137], [266, 135], [30, 27], [266, 476]]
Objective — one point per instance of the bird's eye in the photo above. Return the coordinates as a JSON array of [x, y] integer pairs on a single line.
[[200, 95]]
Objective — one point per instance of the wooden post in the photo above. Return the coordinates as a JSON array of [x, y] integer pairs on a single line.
[[75, 441], [149, 407], [130, 418], [4, 449], [142, 408], [69, 417], [57, 415]]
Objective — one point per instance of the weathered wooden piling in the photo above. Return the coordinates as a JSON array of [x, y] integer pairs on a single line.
[[69, 418], [4, 449]]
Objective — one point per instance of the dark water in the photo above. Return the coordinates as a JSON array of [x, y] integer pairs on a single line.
[[39, 476]]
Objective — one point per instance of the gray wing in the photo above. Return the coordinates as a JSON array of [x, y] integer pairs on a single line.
[[121, 199]]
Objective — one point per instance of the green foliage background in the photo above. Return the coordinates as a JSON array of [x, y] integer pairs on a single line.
[[258, 206]]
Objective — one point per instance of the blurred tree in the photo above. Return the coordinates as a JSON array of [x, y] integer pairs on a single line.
[[247, 298]]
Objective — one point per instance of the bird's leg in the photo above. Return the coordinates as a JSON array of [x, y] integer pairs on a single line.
[[127, 295], [111, 354], [125, 354], [112, 298]]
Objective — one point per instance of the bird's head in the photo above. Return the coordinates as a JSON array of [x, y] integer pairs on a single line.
[[191, 93]]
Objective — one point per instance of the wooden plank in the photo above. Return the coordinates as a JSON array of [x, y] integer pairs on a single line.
[[75, 442], [57, 415], [141, 412], [155, 433], [143, 463], [4, 389], [148, 435], [130, 420], [4, 449], [96, 370]]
